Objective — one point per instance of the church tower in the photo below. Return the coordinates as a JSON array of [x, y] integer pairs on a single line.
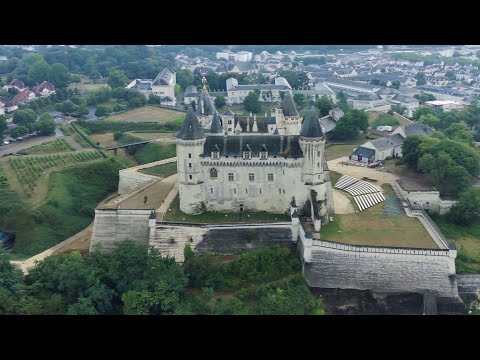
[[190, 145]]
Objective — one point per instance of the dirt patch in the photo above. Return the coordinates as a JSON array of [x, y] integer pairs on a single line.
[[342, 203]]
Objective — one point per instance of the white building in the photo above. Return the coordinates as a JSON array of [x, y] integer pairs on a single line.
[[163, 85], [445, 105], [236, 94], [253, 171], [228, 55]]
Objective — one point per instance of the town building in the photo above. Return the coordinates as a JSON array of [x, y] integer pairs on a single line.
[[163, 86], [236, 94]]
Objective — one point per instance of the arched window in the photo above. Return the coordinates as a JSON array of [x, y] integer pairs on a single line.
[[213, 173]]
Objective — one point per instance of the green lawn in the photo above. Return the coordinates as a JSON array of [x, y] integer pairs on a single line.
[[369, 228], [164, 170], [212, 217]]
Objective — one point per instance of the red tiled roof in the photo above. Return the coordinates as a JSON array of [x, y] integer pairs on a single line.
[[21, 96]]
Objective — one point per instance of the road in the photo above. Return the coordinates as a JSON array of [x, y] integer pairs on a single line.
[[25, 144]]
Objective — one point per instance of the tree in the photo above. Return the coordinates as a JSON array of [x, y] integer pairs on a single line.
[[38, 72], [420, 78], [296, 79], [184, 78], [82, 110], [385, 119], [58, 75], [153, 99], [450, 74], [94, 76], [177, 89], [45, 125], [411, 151], [399, 109], [324, 105], [396, 84], [24, 117], [19, 131], [465, 212], [68, 107], [3, 124], [117, 78], [348, 126], [429, 120], [220, 101], [102, 110], [299, 99], [424, 110], [252, 103], [459, 132]]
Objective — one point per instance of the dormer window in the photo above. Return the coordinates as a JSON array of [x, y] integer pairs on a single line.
[[263, 153], [215, 152], [247, 152]]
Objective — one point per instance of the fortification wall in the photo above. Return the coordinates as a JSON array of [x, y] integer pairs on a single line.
[[380, 269], [170, 238], [114, 225]]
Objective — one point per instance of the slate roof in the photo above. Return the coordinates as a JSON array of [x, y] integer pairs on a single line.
[[404, 99], [364, 152], [418, 129], [191, 129], [367, 97], [311, 126], [204, 98], [164, 77], [233, 145], [216, 126], [288, 105], [262, 122], [191, 91], [388, 142], [327, 124], [260, 87]]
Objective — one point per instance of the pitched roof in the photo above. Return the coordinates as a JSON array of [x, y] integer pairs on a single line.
[[311, 126], [191, 129], [216, 126], [288, 105], [388, 142], [233, 145], [229, 113], [363, 152], [418, 129], [164, 77], [404, 99], [327, 124]]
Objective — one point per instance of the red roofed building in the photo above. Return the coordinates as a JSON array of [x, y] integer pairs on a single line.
[[44, 89], [17, 84], [6, 104], [23, 97]]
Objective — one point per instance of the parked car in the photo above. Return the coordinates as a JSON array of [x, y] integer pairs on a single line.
[[19, 138], [6, 142]]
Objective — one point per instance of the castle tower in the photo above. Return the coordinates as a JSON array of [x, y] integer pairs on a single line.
[[291, 118], [190, 145], [205, 106], [216, 126], [312, 143]]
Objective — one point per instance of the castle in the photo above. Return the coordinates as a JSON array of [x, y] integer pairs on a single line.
[[232, 163]]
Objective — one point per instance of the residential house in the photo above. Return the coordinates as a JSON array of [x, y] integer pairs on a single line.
[[15, 84], [45, 88], [23, 96], [445, 105], [190, 94], [410, 103], [7, 104], [366, 101], [236, 94], [329, 122]]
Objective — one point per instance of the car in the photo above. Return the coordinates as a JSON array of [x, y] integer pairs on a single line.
[[19, 138], [6, 142]]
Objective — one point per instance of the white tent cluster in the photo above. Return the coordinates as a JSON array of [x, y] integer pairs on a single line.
[[365, 194]]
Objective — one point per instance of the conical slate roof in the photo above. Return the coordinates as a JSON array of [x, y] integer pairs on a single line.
[[216, 126], [311, 126], [288, 105], [204, 98], [191, 129]]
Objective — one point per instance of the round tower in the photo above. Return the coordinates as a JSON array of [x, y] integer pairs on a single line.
[[190, 144]]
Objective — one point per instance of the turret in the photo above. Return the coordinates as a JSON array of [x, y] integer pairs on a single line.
[[190, 145], [216, 126], [312, 142]]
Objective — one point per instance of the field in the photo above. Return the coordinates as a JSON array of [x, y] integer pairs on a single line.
[[467, 240], [164, 170], [212, 217], [73, 194], [152, 135], [147, 114], [88, 86], [48, 148], [3, 178], [370, 228], [29, 169]]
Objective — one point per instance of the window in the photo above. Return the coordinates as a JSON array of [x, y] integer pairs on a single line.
[[189, 156], [280, 191], [263, 155], [213, 173], [270, 177], [247, 155], [230, 177], [190, 177], [190, 165], [260, 190], [318, 164], [318, 154], [246, 191], [215, 154], [234, 191], [251, 177], [211, 190], [229, 122], [284, 191]]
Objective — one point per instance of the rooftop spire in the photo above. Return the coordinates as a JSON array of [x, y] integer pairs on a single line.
[[216, 126], [288, 105], [191, 129], [311, 126]]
